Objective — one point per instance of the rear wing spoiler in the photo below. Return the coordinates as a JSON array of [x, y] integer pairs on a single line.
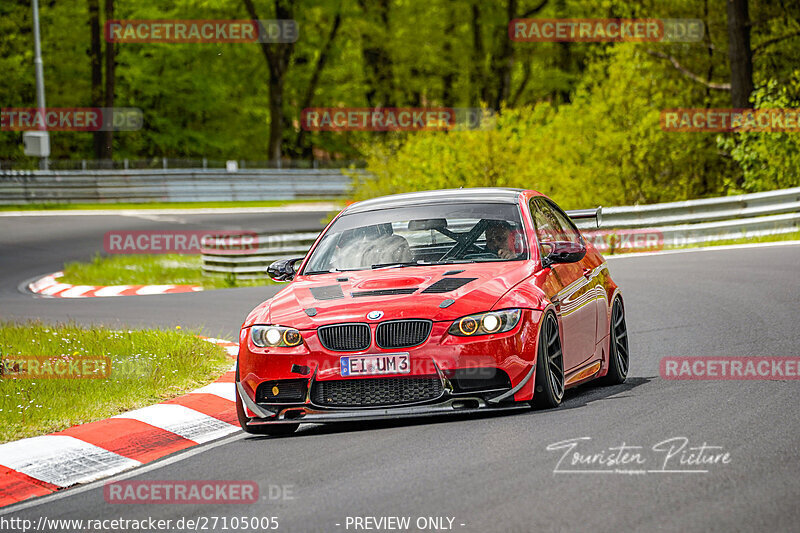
[[579, 214]]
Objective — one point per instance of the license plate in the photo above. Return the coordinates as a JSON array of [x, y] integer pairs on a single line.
[[367, 365]]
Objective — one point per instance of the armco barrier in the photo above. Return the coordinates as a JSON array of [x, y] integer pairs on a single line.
[[197, 185], [679, 223]]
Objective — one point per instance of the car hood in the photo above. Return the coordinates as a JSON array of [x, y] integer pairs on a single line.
[[349, 296]]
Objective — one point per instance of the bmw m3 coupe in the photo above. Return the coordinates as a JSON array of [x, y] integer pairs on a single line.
[[435, 302]]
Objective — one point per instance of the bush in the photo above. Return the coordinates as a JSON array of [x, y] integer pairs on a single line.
[[606, 147]]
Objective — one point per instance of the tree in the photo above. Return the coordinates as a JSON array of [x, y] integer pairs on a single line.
[[740, 53], [278, 56]]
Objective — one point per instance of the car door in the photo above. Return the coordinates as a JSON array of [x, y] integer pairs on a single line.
[[572, 292]]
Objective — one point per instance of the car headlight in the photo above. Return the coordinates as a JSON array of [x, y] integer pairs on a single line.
[[275, 336], [486, 323]]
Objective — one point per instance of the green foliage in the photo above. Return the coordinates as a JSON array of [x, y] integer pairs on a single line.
[[769, 160], [579, 120], [606, 147]]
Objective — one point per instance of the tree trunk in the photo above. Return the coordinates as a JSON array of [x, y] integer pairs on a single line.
[[108, 135], [277, 56], [740, 53], [95, 52], [377, 60], [503, 62], [301, 148], [477, 76]]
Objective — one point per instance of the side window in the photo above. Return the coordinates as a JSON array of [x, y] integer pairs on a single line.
[[551, 223]]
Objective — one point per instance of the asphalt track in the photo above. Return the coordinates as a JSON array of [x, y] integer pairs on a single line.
[[493, 472]]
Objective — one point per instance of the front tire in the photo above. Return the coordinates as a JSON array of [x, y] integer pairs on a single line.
[[549, 386], [618, 355]]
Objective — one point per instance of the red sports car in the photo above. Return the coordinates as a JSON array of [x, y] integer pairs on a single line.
[[433, 302]]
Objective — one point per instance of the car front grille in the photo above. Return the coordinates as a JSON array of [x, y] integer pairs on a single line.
[[373, 392], [402, 333], [344, 337]]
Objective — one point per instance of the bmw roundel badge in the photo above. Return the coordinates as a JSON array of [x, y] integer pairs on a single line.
[[374, 315]]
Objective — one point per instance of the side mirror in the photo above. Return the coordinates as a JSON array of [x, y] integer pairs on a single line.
[[283, 269], [563, 252]]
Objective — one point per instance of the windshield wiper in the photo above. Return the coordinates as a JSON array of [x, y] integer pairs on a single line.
[[331, 271], [398, 264]]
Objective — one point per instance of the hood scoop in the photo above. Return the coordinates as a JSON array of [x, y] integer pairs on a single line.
[[447, 285], [384, 292], [327, 292]]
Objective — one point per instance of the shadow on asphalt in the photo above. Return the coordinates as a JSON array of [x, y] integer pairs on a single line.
[[593, 391], [573, 398]]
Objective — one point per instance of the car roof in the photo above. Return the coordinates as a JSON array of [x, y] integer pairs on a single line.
[[469, 195]]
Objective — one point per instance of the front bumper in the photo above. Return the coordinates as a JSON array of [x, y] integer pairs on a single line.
[[448, 403], [309, 413], [441, 356]]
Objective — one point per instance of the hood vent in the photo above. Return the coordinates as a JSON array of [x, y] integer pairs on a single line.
[[328, 292], [384, 292], [447, 285]]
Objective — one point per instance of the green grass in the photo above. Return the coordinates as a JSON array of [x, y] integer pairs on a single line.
[[158, 205], [147, 366], [176, 269], [793, 236], [167, 269]]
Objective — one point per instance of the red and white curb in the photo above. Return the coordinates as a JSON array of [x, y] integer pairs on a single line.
[[50, 286], [37, 466]]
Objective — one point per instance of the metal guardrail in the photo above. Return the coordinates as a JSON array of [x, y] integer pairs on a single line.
[[22, 187], [705, 210], [675, 224]]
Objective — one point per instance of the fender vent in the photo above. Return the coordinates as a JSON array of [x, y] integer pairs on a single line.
[[447, 285]]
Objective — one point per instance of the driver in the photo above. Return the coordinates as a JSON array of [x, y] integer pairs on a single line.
[[499, 239]]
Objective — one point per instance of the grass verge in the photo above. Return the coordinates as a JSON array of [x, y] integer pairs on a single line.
[[177, 269], [793, 236], [146, 367], [167, 269], [160, 205]]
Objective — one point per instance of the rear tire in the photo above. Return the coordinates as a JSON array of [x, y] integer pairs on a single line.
[[549, 386], [618, 355], [271, 429]]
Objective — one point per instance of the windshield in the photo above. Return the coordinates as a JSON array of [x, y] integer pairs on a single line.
[[425, 235]]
